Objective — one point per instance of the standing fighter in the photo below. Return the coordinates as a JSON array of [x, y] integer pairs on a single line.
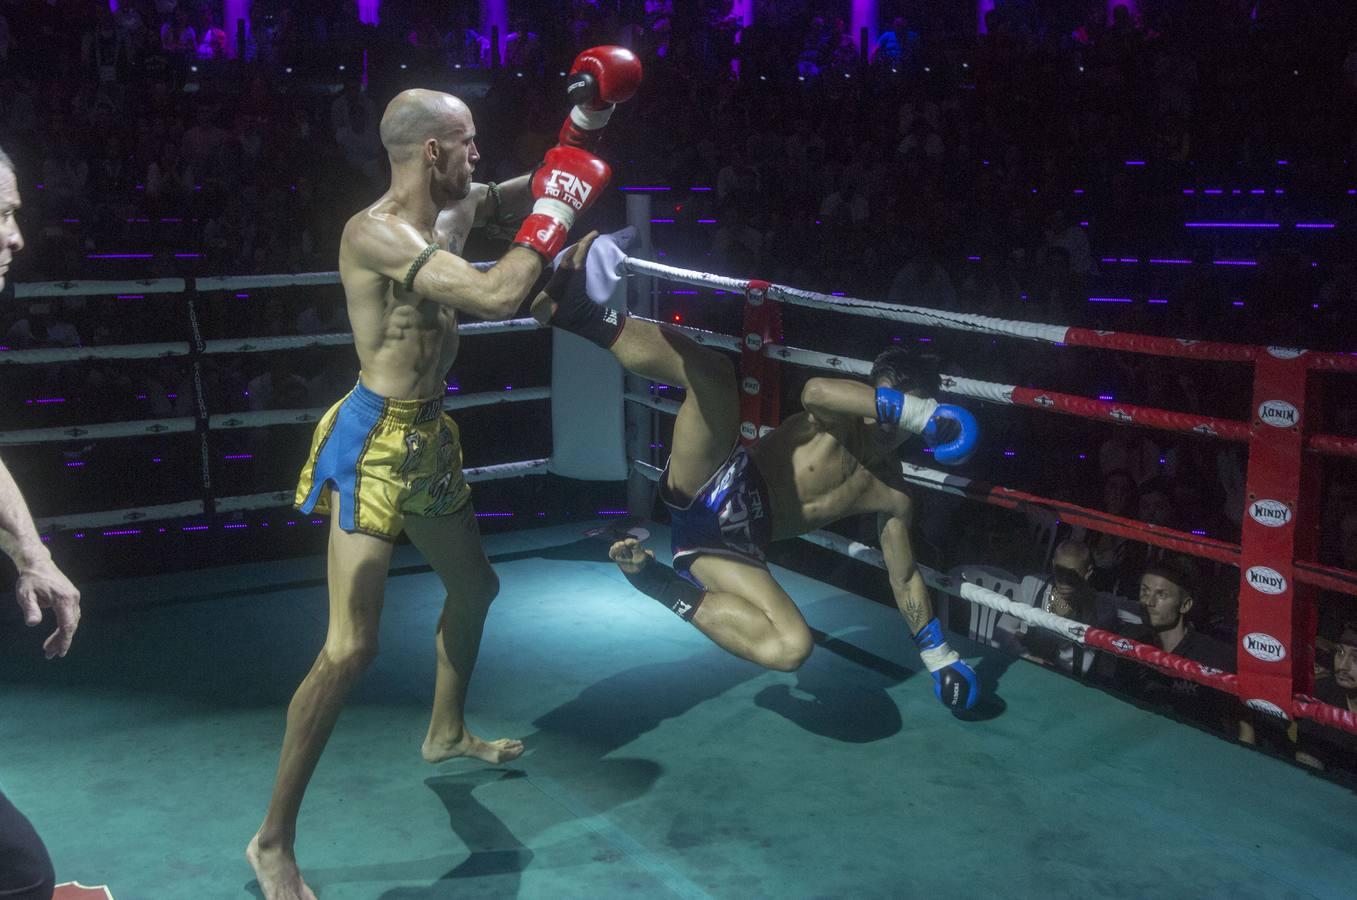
[[385, 458], [835, 459], [25, 868]]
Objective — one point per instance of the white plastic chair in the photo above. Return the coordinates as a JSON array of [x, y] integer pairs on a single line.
[[1001, 581]]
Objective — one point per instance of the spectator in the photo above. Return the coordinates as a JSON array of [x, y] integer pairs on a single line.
[[898, 48], [1166, 597], [1065, 591], [1326, 748], [922, 281]]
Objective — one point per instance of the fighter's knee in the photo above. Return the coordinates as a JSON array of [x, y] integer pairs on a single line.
[[351, 653], [788, 652]]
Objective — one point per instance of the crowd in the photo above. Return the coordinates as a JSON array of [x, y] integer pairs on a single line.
[[1146, 174]]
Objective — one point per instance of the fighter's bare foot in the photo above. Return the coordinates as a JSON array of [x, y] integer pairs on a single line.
[[276, 869], [494, 752]]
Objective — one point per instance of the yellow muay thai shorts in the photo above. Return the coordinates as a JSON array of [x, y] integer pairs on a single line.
[[383, 460]]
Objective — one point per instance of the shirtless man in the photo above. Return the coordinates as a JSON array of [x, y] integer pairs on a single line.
[[835, 459], [385, 459]]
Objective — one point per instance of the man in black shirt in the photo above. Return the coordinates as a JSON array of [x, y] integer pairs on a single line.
[[1322, 746], [1166, 596]]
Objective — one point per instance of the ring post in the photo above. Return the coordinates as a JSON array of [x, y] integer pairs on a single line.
[[1277, 614]]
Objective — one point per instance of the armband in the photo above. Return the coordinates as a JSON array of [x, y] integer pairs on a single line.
[[417, 265]]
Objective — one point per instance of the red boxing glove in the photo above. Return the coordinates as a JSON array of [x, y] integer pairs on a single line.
[[600, 78], [566, 184]]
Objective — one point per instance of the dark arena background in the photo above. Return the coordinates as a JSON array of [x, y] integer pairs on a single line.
[[1123, 234]]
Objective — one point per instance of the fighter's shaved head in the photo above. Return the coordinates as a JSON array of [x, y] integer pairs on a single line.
[[415, 116]]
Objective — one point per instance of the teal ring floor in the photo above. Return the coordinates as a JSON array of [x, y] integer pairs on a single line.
[[658, 765]]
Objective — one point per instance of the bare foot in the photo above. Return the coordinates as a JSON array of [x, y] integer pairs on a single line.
[[279, 877], [495, 752]]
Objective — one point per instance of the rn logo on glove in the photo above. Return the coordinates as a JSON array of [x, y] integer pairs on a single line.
[[570, 188]]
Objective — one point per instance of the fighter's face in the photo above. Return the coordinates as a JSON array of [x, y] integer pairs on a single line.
[[456, 162], [11, 239]]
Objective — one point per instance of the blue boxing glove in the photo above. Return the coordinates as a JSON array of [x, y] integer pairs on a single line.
[[953, 433], [954, 682]]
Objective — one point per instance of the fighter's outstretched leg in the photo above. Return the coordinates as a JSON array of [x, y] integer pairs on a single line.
[[452, 545]]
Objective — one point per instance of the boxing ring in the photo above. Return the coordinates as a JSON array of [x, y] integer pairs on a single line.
[[658, 765]]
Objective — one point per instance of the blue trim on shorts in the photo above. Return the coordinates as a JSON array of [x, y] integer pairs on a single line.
[[340, 459]]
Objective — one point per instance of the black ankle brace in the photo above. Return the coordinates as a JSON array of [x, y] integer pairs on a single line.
[[680, 597]]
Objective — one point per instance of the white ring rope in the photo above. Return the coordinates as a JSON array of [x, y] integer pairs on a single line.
[[98, 288], [989, 391], [916, 315], [253, 419], [269, 500], [67, 433], [229, 345], [300, 279], [86, 354], [266, 417]]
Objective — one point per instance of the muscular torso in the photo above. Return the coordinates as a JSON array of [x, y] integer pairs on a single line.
[[816, 476], [405, 344]]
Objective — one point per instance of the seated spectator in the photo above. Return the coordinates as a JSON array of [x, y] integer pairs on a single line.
[[922, 281], [41, 328], [1166, 596], [1320, 746], [1066, 592], [522, 47], [898, 48], [212, 41], [177, 37]]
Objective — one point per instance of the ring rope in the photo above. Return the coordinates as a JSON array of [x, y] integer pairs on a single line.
[[35, 289], [1035, 398], [252, 419], [1052, 334], [268, 500], [1216, 550]]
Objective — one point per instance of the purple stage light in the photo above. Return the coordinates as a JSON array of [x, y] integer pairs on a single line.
[[1213, 191], [1109, 299], [1231, 225], [188, 256], [74, 465], [1236, 302], [1107, 397], [195, 528], [238, 456], [662, 221], [1316, 225], [1170, 262], [1009, 453], [644, 188], [706, 221], [612, 512], [973, 258], [121, 532], [130, 297], [1135, 162], [1234, 262], [118, 256], [1156, 300], [494, 515], [44, 400], [235, 525]]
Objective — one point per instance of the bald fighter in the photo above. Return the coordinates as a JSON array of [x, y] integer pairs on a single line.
[[836, 459], [386, 459]]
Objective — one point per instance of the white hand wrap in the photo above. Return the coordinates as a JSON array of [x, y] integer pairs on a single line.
[[916, 413]]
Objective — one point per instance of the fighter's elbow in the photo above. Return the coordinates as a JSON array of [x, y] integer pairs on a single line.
[[813, 394]]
